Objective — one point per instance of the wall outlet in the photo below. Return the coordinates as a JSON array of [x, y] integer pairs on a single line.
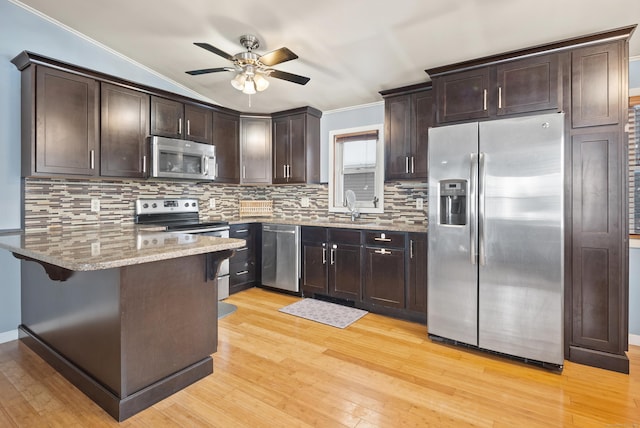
[[304, 202], [419, 203], [95, 249], [95, 205], [212, 203]]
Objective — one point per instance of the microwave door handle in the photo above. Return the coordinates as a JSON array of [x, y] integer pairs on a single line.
[[205, 165]]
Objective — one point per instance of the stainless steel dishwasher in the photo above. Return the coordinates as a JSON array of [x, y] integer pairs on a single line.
[[281, 256]]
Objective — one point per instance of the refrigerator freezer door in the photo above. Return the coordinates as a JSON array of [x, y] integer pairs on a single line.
[[522, 237], [452, 306]]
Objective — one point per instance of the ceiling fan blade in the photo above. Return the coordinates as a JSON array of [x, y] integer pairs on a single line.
[[209, 70], [278, 56], [215, 50], [300, 80]]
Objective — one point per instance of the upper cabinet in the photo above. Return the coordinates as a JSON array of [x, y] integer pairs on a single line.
[[124, 128], [174, 119], [296, 146], [255, 150], [226, 139], [408, 116], [59, 123], [518, 86]]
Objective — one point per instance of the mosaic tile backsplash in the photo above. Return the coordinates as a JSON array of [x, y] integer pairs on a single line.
[[51, 203]]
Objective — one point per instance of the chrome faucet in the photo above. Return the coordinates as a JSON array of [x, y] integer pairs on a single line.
[[355, 214]]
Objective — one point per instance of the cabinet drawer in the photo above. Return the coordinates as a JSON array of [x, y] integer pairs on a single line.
[[344, 236], [241, 255], [385, 239], [314, 234]]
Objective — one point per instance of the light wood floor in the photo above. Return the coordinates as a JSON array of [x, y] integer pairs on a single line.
[[276, 370]]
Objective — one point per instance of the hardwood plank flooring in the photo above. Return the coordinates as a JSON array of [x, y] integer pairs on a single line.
[[277, 370]]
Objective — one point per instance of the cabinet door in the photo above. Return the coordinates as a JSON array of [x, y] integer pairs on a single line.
[[599, 298], [167, 118], [198, 124], [423, 119], [596, 85], [297, 149], [344, 271], [384, 277], [124, 128], [463, 96], [397, 137], [314, 268], [255, 150], [226, 138], [417, 270], [527, 85], [280, 149], [66, 123]]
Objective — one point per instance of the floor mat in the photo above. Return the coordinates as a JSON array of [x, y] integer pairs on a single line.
[[324, 312]]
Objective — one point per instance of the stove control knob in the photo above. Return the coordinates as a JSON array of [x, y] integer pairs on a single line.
[[186, 204], [154, 205], [145, 205], [193, 204]]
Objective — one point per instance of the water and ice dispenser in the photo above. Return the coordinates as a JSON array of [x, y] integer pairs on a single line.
[[453, 202]]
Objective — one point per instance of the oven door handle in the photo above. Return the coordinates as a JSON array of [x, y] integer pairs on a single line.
[[200, 231]]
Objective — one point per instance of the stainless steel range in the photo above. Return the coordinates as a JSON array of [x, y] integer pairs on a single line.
[[183, 215]]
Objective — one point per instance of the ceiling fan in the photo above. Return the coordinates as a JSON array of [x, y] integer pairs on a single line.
[[252, 68]]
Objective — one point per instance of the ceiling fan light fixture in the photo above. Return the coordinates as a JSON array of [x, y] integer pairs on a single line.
[[261, 82], [238, 82], [249, 86]]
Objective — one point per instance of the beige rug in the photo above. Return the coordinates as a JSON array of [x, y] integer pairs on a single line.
[[324, 312]]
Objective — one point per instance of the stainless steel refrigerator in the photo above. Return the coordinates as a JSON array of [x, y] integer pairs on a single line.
[[496, 236]]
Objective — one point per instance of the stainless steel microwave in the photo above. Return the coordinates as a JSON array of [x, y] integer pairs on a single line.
[[173, 158]]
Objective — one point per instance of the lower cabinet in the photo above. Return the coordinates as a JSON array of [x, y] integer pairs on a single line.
[[243, 265], [331, 262], [384, 272]]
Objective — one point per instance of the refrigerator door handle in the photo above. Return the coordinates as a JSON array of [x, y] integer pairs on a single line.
[[472, 200], [481, 210]]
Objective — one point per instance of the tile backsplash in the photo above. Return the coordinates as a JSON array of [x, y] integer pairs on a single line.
[[51, 203]]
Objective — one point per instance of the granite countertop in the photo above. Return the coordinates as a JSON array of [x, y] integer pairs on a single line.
[[358, 224], [96, 248]]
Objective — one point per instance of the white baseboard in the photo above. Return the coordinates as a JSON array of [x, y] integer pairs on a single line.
[[634, 339], [8, 336]]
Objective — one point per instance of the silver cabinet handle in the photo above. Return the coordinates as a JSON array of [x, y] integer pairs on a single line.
[[481, 213], [382, 251], [92, 159], [411, 248], [244, 171], [215, 170], [484, 99], [499, 97], [284, 169], [413, 164], [179, 125], [144, 164], [242, 272], [324, 256], [406, 164], [241, 231], [473, 184], [382, 239], [333, 254], [288, 171], [188, 127]]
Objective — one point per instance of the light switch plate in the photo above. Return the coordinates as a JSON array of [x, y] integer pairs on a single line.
[[304, 202], [95, 205], [419, 203], [212, 203]]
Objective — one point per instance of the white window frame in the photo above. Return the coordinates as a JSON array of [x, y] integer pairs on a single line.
[[361, 206]]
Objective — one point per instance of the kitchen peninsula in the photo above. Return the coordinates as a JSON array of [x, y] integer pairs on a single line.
[[129, 316]]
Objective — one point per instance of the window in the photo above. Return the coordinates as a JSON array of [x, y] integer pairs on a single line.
[[634, 165], [356, 162]]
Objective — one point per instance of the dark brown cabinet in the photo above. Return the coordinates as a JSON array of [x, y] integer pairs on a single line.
[[407, 120], [63, 136], [331, 262], [417, 273], [226, 138], [243, 265], [124, 128], [384, 269], [296, 146], [513, 87], [174, 119]]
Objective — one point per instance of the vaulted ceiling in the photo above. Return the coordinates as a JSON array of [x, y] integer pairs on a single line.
[[351, 49]]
